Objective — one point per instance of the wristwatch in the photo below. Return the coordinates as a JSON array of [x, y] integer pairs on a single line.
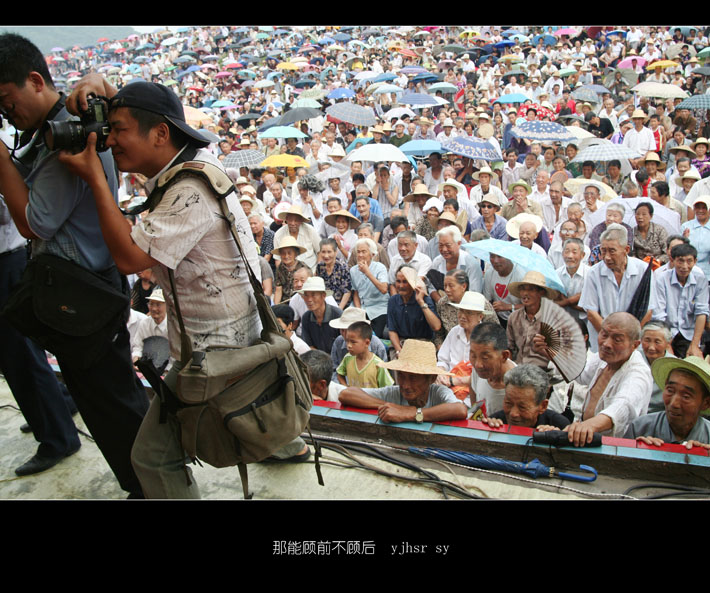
[[419, 416]]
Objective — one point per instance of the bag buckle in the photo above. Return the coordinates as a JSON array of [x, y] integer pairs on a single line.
[[197, 360]]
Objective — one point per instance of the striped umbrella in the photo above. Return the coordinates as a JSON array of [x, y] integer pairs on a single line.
[[605, 152], [695, 102], [418, 100], [351, 113], [243, 158]]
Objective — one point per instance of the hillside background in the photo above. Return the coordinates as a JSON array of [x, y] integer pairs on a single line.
[[47, 37]]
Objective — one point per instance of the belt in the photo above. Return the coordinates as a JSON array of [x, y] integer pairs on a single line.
[[5, 253]]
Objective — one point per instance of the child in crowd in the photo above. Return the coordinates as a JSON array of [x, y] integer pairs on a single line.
[[359, 366]]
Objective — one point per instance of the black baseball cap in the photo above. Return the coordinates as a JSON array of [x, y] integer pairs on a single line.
[[157, 98]]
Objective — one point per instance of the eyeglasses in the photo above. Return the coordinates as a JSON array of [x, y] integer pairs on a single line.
[[482, 206]]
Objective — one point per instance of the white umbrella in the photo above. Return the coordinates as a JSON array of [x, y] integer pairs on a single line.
[[377, 152], [659, 90], [579, 132]]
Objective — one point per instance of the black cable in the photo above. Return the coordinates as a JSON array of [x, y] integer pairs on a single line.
[[680, 490]]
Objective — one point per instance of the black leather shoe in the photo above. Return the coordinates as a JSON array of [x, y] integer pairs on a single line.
[[25, 428], [39, 463]]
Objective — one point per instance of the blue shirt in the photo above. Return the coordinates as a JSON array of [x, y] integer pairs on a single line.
[[700, 239], [679, 305], [407, 319], [62, 211], [375, 209], [371, 299]]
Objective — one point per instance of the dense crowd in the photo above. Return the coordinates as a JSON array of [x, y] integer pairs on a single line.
[[576, 158]]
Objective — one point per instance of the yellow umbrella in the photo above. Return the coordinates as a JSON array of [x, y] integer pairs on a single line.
[[662, 64], [469, 33], [195, 117], [284, 160], [287, 66]]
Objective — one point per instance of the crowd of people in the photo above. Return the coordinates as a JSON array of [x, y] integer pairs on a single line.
[[372, 265]]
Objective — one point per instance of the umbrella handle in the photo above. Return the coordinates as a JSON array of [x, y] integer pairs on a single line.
[[592, 474]]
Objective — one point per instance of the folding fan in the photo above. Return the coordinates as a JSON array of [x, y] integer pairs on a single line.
[[564, 339]]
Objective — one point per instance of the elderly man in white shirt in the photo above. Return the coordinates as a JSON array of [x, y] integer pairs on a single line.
[[619, 381], [639, 138], [154, 324]]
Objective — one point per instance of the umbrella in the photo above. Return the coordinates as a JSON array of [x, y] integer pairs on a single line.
[[546, 40], [585, 94], [543, 131], [243, 158], [568, 31], [421, 147], [418, 100], [305, 102], [662, 64], [695, 102], [605, 152], [628, 76], [659, 90], [356, 115], [473, 148], [284, 160], [264, 83], [377, 152], [358, 142], [534, 468], [444, 87], [399, 112], [383, 89], [512, 98], [299, 114], [195, 117], [519, 255], [541, 111], [702, 71], [282, 132], [638, 307], [628, 62], [341, 93], [578, 132]]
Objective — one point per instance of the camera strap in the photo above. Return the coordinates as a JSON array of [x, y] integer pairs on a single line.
[[188, 154]]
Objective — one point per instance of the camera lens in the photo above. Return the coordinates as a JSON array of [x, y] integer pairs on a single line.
[[65, 135]]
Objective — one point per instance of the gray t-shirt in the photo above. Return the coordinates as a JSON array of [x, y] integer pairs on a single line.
[[438, 394]]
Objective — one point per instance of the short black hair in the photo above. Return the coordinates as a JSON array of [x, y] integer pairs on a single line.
[[662, 188], [18, 57], [452, 202], [396, 221], [285, 313], [361, 328], [490, 333], [683, 249]]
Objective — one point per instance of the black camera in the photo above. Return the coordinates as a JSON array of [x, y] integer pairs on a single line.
[[72, 135]]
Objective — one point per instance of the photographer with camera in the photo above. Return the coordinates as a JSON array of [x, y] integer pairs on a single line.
[[183, 231], [56, 210]]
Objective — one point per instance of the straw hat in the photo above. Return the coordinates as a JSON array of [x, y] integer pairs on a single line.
[[484, 169], [241, 180], [420, 190], [411, 276], [485, 131], [639, 114], [293, 209], [690, 174], [651, 156], [315, 284], [683, 148], [416, 356], [352, 220], [662, 367], [246, 198], [701, 140], [156, 295], [512, 227], [522, 184], [448, 216], [288, 241], [471, 301], [350, 315], [536, 279]]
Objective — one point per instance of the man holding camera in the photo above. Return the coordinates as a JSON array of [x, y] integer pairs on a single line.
[[185, 232], [56, 210]]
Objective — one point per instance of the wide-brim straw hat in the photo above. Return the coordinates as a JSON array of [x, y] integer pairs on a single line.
[[651, 156], [156, 295], [683, 148], [639, 114], [420, 190], [288, 241], [485, 131], [448, 216], [662, 368], [353, 221], [687, 175], [700, 140], [536, 279], [315, 284], [522, 184], [471, 301], [512, 227], [484, 169], [417, 357], [412, 277], [293, 209], [350, 315]]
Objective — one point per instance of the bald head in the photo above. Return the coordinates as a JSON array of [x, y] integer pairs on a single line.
[[625, 322]]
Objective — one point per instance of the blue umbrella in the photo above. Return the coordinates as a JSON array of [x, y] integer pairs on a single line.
[[546, 39], [473, 148], [342, 37], [283, 132], [504, 43], [542, 131], [534, 468], [418, 100], [428, 77], [358, 142], [341, 93], [511, 32], [384, 77], [520, 256], [512, 98], [421, 147]]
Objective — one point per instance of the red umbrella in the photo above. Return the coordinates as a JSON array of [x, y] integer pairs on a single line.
[[542, 112]]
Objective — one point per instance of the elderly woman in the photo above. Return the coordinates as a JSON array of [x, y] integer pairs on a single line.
[[655, 343], [334, 272], [453, 354], [288, 251], [427, 226], [650, 239], [702, 161], [456, 284], [369, 281]]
